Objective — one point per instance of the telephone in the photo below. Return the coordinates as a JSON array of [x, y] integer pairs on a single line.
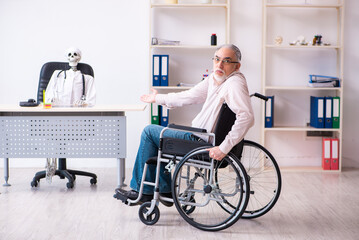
[[30, 103]]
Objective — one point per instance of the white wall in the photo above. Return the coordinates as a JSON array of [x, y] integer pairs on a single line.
[[351, 87], [114, 36]]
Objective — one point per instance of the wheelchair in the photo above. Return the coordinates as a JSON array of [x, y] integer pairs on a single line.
[[212, 195]]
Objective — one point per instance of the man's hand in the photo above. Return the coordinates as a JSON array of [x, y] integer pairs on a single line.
[[150, 98], [215, 153]]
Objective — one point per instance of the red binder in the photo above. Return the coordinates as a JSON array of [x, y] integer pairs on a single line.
[[326, 157], [334, 164]]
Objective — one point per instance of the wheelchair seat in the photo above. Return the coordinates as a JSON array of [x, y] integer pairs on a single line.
[[180, 147]]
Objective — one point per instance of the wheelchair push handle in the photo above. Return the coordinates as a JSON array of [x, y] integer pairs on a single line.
[[258, 95]]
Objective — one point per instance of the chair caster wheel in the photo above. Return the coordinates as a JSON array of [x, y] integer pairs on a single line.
[[34, 184], [93, 181], [70, 185], [150, 219]]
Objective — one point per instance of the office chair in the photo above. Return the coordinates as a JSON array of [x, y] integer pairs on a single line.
[[45, 75]]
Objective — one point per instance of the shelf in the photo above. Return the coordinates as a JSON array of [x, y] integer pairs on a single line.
[[307, 169], [184, 46], [204, 5], [171, 88], [300, 129], [303, 17], [301, 88], [302, 47], [305, 5]]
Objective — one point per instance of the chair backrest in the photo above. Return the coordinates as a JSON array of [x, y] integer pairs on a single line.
[[226, 118], [48, 69]]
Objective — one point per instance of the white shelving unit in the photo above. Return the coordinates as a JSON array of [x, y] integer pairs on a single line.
[[189, 60], [285, 70]]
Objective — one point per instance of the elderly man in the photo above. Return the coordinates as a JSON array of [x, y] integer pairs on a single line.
[[225, 84]]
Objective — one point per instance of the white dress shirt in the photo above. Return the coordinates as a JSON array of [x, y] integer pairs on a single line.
[[233, 91], [67, 91]]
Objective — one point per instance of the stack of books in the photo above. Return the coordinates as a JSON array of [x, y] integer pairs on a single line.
[[320, 81]]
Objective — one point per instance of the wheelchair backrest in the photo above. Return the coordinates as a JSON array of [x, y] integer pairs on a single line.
[[225, 121]]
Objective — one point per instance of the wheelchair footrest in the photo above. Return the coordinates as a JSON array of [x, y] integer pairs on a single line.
[[119, 196]]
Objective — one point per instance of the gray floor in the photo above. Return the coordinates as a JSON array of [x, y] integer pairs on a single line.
[[311, 206]]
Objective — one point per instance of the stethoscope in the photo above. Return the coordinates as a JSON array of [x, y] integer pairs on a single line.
[[83, 97]]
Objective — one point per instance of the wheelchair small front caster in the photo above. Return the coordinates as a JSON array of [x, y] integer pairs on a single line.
[[152, 218]]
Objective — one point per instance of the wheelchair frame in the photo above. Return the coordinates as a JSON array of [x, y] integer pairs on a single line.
[[254, 163], [149, 212]]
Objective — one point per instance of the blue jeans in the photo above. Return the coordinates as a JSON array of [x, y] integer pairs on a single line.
[[149, 144]]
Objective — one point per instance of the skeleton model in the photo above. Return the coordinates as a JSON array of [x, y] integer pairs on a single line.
[[69, 88]]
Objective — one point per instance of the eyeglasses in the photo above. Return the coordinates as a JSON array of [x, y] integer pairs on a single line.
[[225, 61]]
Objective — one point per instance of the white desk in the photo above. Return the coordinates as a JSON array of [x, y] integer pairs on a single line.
[[93, 132]]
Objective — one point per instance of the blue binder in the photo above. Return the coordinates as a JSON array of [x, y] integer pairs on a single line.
[[164, 116], [317, 112], [164, 70], [321, 79], [269, 112], [156, 70], [328, 118]]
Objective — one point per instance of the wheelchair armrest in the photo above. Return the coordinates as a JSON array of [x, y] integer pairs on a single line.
[[186, 128]]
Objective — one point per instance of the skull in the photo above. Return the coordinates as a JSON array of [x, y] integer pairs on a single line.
[[74, 56]]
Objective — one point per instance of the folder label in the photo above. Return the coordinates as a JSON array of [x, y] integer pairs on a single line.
[[268, 108], [336, 107], [328, 108], [327, 148], [328, 112], [334, 148], [320, 108], [326, 157], [334, 165]]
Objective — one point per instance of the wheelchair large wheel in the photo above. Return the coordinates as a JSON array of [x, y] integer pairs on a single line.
[[264, 179], [195, 187]]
